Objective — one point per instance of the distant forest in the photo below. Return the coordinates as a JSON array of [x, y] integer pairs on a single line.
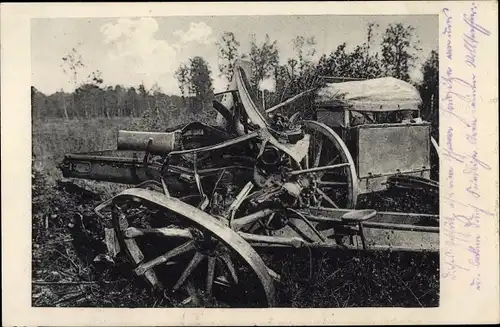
[[399, 51], [95, 101]]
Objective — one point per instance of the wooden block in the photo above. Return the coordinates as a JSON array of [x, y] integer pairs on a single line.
[[112, 243]]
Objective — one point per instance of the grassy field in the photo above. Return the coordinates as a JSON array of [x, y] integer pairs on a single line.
[[51, 139], [67, 237]]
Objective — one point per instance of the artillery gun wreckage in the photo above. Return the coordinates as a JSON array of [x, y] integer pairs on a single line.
[[205, 198]]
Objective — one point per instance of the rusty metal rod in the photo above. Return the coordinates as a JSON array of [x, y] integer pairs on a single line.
[[315, 169], [217, 146], [378, 225], [402, 227], [335, 246], [204, 171]]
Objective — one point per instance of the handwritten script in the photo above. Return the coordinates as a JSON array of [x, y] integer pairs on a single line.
[[459, 107]]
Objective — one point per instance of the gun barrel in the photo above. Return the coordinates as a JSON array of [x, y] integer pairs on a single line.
[[154, 142]]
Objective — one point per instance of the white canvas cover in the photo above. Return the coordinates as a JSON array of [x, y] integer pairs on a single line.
[[379, 94]]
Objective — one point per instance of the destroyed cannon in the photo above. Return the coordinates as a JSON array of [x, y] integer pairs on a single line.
[[205, 198]]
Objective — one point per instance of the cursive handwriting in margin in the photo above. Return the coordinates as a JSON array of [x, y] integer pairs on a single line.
[[461, 229]]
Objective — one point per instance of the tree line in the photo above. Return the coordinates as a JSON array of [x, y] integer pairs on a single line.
[[91, 100], [394, 53]]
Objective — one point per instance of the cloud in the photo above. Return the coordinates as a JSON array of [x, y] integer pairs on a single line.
[[136, 53], [197, 33]]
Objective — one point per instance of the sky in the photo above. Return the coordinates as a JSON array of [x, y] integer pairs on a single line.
[[131, 51]]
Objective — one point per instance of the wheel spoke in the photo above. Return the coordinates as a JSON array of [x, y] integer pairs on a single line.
[[271, 217], [229, 264], [315, 200], [264, 227], [165, 188], [318, 154], [331, 184], [331, 162], [327, 198], [210, 275], [198, 257], [186, 247], [319, 169], [132, 232], [311, 155]]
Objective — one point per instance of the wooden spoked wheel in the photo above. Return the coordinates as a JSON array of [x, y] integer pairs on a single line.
[[331, 175], [335, 183], [193, 257]]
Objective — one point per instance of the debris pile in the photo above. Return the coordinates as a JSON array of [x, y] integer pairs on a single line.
[[70, 267]]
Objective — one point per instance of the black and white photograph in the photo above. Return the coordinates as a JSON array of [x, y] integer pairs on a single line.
[[249, 163], [235, 161]]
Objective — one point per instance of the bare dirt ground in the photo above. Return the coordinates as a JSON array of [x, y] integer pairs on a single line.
[[69, 268]]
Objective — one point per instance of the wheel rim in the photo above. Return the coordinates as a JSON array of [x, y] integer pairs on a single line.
[[435, 170], [337, 187], [204, 257]]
